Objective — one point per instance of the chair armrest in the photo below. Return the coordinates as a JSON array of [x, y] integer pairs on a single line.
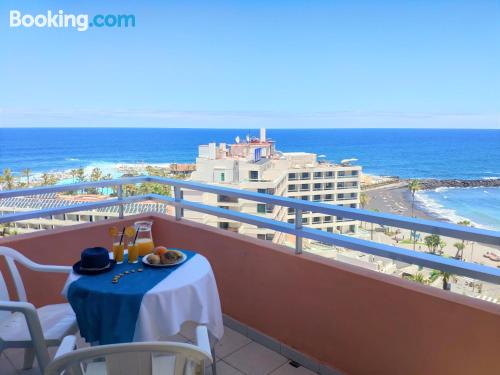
[[34, 327], [7, 251], [50, 268], [68, 344], [24, 307], [202, 340]]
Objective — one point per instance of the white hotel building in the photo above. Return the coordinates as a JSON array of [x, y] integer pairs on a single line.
[[256, 165]]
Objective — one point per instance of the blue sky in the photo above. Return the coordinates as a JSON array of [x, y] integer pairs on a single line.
[[256, 63]]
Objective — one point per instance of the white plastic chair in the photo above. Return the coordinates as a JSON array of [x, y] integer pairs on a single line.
[[141, 358], [24, 326]]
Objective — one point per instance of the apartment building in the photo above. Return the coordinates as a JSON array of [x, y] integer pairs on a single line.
[[255, 164]]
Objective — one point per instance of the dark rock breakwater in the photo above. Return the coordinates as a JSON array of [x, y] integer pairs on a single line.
[[429, 184]]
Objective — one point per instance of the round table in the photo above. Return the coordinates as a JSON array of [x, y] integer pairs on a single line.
[[189, 293]]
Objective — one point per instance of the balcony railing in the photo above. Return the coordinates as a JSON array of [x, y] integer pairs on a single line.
[[472, 270]]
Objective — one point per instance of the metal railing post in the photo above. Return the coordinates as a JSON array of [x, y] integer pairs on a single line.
[[298, 228], [177, 196], [120, 197]]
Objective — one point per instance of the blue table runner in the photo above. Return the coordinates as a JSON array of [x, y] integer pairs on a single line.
[[106, 312]]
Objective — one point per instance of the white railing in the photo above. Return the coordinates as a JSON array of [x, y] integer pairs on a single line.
[[472, 270]]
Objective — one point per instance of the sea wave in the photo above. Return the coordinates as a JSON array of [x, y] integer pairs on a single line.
[[441, 189], [72, 159], [435, 208]]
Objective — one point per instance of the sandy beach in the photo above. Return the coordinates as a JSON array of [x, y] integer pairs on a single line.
[[395, 200]]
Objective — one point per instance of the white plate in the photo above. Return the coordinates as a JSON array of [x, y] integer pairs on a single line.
[[182, 260]]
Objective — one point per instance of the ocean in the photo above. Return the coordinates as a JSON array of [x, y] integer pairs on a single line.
[[479, 205], [408, 153]]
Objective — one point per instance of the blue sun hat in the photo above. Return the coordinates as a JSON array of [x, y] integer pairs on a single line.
[[93, 261]]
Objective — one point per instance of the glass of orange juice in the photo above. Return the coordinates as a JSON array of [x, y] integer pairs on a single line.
[[118, 247], [133, 252]]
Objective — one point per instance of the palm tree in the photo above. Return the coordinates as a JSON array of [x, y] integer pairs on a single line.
[[432, 242], [45, 179], [113, 189], [413, 186], [150, 170], [8, 179], [73, 174], [129, 190], [96, 174], [446, 279], [371, 225], [80, 174], [465, 223], [363, 201], [460, 249], [49, 179], [27, 174]]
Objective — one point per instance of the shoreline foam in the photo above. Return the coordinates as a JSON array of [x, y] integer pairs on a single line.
[[391, 199], [448, 212], [438, 210]]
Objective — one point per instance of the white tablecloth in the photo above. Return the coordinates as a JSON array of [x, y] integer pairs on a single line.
[[187, 294]]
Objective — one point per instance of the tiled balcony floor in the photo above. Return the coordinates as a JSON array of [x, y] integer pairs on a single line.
[[235, 354]]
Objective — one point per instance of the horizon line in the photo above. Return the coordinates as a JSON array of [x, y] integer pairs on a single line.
[[247, 128]]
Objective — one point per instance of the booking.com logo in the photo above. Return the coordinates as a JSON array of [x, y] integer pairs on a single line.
[[60, 19]]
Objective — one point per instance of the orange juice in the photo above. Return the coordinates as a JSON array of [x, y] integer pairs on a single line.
[[118, 252], [144, 246], [133, 253]]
